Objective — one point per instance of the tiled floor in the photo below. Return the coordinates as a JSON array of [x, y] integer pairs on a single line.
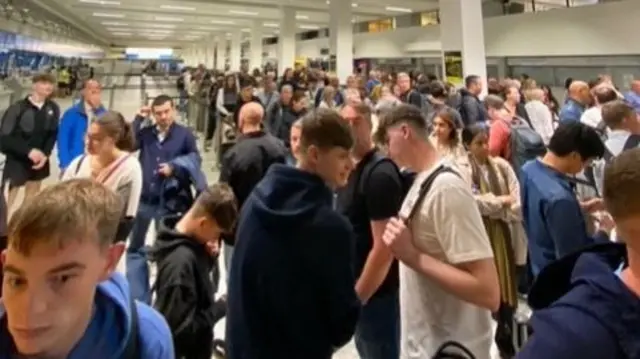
[[128, 102]]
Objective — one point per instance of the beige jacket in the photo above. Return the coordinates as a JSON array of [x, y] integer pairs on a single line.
[[490, 206]]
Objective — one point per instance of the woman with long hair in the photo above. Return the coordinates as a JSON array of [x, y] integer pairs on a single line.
[[497, 194], [445, 137]]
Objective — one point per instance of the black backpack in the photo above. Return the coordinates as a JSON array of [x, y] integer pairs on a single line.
[[453, 350], [406, 176]]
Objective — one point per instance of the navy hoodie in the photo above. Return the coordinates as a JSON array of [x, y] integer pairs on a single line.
[[291, 282], [583, 310]]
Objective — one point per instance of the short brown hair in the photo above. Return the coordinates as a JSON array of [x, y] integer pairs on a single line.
[[325, 129], [43, 77], [494, 102], [621, 183], [614, 112], [115, 126], [73, 210], [402, 113], [219, 203]]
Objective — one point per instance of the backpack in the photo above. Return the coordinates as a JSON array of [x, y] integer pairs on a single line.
[[526, 144], [453, 350], [132, 348], [407, 177]]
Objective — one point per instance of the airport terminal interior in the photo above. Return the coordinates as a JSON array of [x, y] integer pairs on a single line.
[[138, 50]]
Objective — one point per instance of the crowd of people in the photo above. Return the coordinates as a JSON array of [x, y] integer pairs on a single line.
[[397, 211]]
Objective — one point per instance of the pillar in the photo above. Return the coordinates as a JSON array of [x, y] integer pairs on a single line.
[[341, 38], [211, 51], [462, 31], [287, 40], [235, 54], [221, 49], [255, 46]]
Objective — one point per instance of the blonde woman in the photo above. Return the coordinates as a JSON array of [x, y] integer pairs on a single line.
[[445, 137], [328, 98], [539, 113]]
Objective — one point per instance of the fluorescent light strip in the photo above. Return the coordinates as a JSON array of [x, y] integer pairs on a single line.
[[101, 2], [111, 23], [178, 8], [398, 9], [222, 22], [208, 28], [242, 12], [302, 17], [270, 24], [103, 14], [169, 19], [309, 27]]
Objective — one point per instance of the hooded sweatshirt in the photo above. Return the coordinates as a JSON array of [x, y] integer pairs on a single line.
[[184, 290], [109, 329], [291, 283], [582, 309]]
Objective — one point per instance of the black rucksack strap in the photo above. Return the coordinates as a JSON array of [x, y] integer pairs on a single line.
[[132, 349], [425, 186]]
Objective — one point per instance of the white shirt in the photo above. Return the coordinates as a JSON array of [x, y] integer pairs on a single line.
[[451, 230], [125, 180], [541, 119], [592, 116]]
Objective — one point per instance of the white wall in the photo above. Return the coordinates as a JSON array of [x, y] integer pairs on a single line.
[[606, 29]]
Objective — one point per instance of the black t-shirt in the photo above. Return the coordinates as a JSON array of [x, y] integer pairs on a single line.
[[374, 192]]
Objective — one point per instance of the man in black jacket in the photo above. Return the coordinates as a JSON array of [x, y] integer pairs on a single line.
[[244, 165], [470, 107], [185, 251], [27, 135]]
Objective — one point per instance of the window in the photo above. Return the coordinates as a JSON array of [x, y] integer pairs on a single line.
[[381, 25], [545, 5], [429, 18]]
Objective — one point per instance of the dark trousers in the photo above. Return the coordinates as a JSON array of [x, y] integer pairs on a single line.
[[377, 334], [211, 124]]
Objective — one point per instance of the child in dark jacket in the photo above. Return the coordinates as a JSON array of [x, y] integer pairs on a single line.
[[185, 251]]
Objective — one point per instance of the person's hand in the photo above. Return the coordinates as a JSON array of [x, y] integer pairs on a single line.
[[605, 222], [507, 201], [592, 205], [36, 156], [213, 247], [165, 169], [41, 163], [144, 111], [399, 239]]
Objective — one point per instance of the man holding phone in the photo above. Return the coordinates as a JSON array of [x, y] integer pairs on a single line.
[[169, 157]]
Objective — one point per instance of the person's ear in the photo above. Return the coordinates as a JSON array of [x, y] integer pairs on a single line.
[[113, 255], [313, 154]]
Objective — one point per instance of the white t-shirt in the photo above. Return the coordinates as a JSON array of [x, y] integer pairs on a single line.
[[124, 176], [447, 226]]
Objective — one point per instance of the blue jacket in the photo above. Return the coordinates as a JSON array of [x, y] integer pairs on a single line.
[[553, 219], [583, 310], [179, 141], [71, 133], [291, 291], [177, 196], [571, 111], [109, 329]]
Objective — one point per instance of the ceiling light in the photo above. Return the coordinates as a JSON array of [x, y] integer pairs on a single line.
[[222, 22], [354, 5], [398, 9], [101, 2], [118, 29], [169, 19], [112, 23], [302, 17], [161, 26], [208, 28], [121, 34], [178, 8], [242, 12], [104, 14], [309, 27], [270, 24], [245, 30]]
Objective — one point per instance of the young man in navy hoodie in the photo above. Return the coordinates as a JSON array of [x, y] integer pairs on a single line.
[[291, 291], [186, 250], [61, 295], [587, 305]]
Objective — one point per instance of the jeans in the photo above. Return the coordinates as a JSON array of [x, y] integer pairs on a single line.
[[137, 266], [378, 330], [228, 254]]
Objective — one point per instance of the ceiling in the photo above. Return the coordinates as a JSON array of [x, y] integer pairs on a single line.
[[174, 23]]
